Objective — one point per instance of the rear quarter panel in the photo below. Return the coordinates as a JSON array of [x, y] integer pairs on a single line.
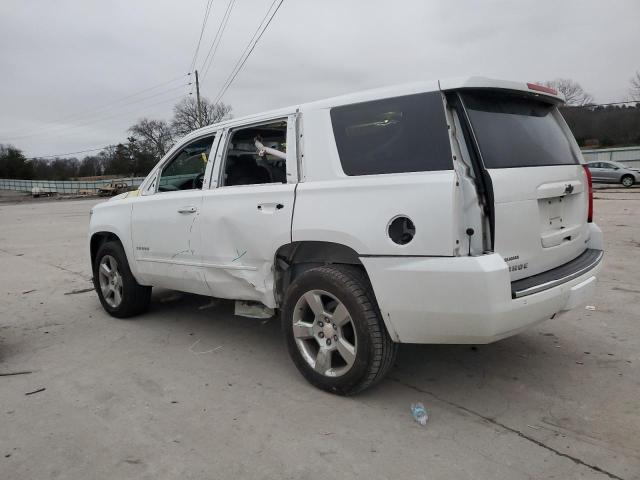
[[356, 210]]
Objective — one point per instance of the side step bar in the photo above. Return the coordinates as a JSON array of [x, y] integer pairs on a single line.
[[589, 259]]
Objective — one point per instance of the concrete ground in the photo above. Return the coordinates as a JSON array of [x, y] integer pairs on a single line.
[[189, 391]]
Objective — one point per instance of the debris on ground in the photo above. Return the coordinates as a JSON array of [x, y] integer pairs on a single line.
[[205, 351], [82, 290], [9, 374], [28, 291], [534, 427], [36, 391], [419, 413], [213, 303]]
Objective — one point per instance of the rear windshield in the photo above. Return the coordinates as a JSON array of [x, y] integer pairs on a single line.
[[394, 135], [517, 131]]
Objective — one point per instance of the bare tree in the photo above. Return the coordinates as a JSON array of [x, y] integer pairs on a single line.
[[634, 90], [155, 136], [573, 92], [185, 115]]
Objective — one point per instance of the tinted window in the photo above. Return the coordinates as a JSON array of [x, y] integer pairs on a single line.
[[186, 170], [394, 135], [517, 131]]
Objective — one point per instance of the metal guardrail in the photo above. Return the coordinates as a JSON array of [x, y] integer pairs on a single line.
[[64, 187]]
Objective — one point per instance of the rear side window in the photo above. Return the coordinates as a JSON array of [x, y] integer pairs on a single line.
[[394, 135], [517, 131]]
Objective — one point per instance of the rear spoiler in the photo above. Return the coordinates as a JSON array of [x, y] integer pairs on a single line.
[[542, 92]]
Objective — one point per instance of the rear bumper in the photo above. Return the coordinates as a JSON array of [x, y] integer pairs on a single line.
[[464, 299], [557, 276]]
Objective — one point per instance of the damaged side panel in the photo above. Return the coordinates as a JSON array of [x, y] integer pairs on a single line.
[[243, 224], [166, 242], [239, 239]]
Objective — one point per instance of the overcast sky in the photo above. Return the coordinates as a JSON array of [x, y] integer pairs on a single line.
[[59, 60]]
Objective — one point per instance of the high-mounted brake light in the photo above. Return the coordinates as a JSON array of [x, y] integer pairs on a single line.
[[587, 173], [542, 88]]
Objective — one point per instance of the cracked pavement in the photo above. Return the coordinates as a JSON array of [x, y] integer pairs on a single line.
[[130, 399]]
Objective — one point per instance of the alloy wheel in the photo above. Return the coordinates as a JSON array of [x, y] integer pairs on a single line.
[[324, 333], [110, 281]]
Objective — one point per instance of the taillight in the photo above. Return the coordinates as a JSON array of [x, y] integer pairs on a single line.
[[587, 172], [542, 88]]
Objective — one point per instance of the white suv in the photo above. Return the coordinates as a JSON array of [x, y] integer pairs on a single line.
[[454, 211]]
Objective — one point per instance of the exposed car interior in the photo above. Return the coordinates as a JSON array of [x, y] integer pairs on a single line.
[[256, 155]]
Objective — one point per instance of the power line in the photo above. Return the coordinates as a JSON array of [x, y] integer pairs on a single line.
[[69, 153], [69, 128], [204, 24], [217, 39], [55, 129], [83, 113], [251, 41], [236, 71]]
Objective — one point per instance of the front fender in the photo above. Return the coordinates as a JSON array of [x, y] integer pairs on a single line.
[[114, 217]]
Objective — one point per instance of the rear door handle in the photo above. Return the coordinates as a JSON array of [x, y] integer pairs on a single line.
[[189, 209]]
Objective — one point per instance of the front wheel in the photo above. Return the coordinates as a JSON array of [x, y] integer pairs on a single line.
[[334, 332], [119, 292], [627, 181]]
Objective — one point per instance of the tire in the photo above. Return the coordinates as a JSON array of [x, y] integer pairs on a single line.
[[131, 298], [362, 351], [627, 181]]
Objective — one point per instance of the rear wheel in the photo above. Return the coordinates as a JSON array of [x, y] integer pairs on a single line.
[[627, 181], [334, 332], [119, 292]]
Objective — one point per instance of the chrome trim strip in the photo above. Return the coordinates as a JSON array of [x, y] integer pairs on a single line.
[[554, 283]]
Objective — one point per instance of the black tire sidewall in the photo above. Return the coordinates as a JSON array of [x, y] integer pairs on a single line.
[[321, 279], [632, 181]]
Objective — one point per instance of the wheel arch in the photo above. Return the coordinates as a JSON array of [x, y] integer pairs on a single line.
[[99, 238], [294, 258]]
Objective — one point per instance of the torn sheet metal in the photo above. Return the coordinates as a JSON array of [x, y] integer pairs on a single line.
[[252, 310]]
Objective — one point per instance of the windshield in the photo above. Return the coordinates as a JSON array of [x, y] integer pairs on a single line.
[[516, 130]]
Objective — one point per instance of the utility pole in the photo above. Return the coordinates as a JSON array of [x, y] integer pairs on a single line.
[[198, 99]]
